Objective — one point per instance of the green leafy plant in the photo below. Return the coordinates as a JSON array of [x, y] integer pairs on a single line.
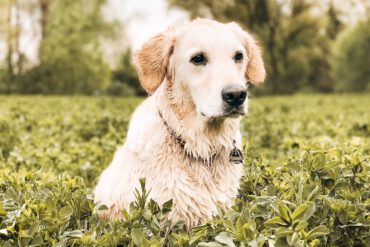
[[306, 181]]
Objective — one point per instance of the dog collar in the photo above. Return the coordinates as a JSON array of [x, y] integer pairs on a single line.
[[236, 155]]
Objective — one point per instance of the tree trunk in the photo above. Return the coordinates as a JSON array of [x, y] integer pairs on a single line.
[[9, 58], [17, 34], [44, 9], [271, 48]]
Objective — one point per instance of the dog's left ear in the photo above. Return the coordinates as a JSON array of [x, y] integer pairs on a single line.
[[152, 60], [255, 71]]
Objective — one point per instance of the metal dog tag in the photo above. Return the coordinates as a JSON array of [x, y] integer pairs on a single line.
[[236, 155]]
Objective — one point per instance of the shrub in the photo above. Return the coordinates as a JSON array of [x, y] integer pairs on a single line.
[[8, 138], [306, 177], [78, 73], [350, 59]]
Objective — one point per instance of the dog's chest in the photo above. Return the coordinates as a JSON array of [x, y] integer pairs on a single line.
[[197, 188]]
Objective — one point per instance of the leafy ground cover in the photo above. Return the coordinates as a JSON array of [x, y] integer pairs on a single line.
[[306, 182]]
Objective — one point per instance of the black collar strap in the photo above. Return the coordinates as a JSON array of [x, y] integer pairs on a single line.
[[172, 132]]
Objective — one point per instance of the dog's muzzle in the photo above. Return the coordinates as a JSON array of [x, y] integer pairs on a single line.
[[233, 97]]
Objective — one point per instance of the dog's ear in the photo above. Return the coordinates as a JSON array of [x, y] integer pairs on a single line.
[[152, 60], [255, 71]]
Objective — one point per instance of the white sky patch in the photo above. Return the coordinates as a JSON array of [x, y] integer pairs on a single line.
[[143, 19]]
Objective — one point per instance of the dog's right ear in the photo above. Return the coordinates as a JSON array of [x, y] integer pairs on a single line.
[[152, 60]]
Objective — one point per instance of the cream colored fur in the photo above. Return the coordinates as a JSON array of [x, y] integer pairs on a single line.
[[189, 98]]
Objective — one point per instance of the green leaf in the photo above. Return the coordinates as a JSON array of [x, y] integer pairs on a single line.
[[33, 228], [103, 207], [182, 238], [300, 226], [243, 219], [167, 206], [209, 244], [225, 238], [2, 210], [275, 222], [36, 241], [229, 225], [293, 239], [284, 212], [262, 200], [283, 231], [65, 212], [304, 211], [74, 234], [249, 229], [300, 211], [317, 232], [139, 238]]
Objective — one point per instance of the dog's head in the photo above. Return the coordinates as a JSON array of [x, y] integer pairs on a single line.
[[211, 61]]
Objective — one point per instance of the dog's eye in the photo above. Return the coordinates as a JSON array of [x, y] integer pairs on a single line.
[[198, 59], [238, 57]]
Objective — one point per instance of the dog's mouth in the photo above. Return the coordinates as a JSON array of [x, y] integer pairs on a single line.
[[232, 112]]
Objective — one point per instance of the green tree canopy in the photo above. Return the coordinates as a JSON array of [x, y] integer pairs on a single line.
[[71, 60], [350, 59], [125, 80]]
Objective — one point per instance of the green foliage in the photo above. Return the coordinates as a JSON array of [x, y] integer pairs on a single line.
[[306, 177], [71, 61], [8, 138], [3, 79], [80, 73], [350, 59], [125, 80]]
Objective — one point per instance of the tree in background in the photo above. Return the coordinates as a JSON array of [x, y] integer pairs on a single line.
[[350, 59], [125, 80], [71, 61], [296, 37], [10, 31], [294, 41], [70, 58]]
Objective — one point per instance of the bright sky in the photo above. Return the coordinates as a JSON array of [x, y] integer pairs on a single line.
[[145, 18], [141, 19]]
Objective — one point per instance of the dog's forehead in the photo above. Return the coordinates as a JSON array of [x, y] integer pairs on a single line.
[[207, 35]]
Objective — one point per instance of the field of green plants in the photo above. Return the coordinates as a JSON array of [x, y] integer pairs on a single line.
[[306, 183]]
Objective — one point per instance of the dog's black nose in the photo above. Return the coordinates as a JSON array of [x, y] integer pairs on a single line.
[[234, 95]]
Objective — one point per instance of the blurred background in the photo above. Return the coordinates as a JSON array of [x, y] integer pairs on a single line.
[[86, 46]]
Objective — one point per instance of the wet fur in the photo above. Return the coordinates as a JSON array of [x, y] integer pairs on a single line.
[[197, 187]]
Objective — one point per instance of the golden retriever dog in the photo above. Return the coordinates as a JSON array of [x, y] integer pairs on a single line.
[[184, 138]]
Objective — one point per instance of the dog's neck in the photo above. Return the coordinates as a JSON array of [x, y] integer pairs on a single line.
[[201, 137]]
